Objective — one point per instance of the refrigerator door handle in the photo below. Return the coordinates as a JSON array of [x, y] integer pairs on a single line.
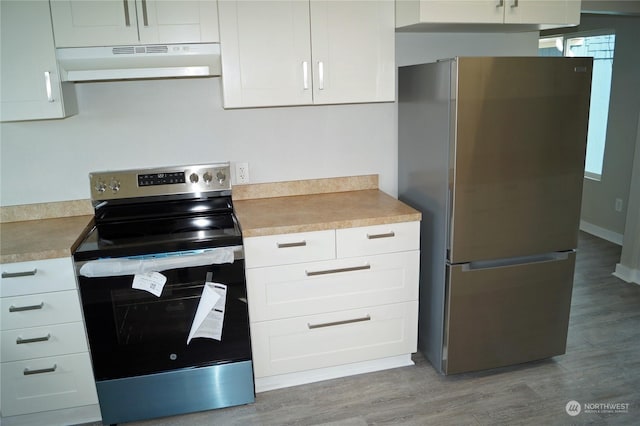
[[515, 261]]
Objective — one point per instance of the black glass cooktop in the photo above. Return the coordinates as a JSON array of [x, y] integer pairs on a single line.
[[160, 227]]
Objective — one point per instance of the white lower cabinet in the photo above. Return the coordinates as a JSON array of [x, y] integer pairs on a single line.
[[46, 368], [45, 384], [335, 338], [359, 306]]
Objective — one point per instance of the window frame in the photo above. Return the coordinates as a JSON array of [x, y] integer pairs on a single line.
[[590, 33]]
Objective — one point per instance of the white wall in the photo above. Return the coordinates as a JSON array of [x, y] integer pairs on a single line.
[[599, 197], [629, 267], [134, 124]]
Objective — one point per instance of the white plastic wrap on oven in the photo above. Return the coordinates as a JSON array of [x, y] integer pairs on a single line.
[[119, 267]]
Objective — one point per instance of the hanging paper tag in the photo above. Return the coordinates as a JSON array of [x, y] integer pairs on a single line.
[[153, 282], [210, 313]]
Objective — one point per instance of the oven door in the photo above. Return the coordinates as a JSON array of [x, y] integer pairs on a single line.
[[133, 332]]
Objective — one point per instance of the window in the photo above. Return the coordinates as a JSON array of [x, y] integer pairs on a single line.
[[600, 47]]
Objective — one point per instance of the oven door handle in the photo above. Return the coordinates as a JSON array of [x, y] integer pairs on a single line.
[[124, 266]]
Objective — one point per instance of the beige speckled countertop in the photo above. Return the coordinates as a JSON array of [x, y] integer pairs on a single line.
[[37, 232], [327, 204], [52, 230]]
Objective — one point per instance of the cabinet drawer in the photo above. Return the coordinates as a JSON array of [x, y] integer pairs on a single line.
[[378, 239], [317, 341], [47, 384], [284, 249], [40, 309], [37, 277], [37, 342], [312, 288]]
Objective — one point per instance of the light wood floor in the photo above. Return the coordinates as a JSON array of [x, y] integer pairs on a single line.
[[602, 365]]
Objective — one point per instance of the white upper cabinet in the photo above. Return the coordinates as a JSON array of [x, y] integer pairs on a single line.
[[562, 12], [79, 23], [297, 52], [30, 87], [540, 13], [353, 51], [266, 53]]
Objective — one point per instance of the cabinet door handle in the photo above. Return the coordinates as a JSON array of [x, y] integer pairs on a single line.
[[28, 372], [337, 270], [390, 234], [514, 3], [19, 274], [320, 75], [21, 341], [145, 18], [25, 308], [127, 20], [47, 85], [500, 3], [294, 244], [331, 324], [305, 75]]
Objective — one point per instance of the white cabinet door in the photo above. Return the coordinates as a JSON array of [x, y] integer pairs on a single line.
[[333, 338], [542, 12], [94, 23], [176, 21], [38, 276], [108, 22], [35, 310], [353, 49], [546, 13], [317, 287], [44, 384], [266, 53], [30, 86], [286, 249], [298, 52], [450, 11]]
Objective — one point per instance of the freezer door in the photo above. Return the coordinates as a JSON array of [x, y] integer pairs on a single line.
[[520, 140], [507, 314]]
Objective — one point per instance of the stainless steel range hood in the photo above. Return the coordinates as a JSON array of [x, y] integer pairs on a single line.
[[139, 62]]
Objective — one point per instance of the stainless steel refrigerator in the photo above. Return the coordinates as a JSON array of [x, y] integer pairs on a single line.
[[491, 150]]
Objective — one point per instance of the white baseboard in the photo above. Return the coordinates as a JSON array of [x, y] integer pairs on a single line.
[[264, 384], [627, 274], [599, 232], [66, 416]]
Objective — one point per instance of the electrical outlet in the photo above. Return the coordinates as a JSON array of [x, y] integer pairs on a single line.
[[618, 205], [242, 173]]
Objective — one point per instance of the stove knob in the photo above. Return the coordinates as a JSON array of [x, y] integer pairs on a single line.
[[221, 177], [114, 185], [101, 186], [194, 178], [207, 177]]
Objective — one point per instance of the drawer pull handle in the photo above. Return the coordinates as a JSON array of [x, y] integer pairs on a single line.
[[21, 341], [19, 274], [26, 308], [385, 235], [331, 324], [28, 372], [294, 244], [337, 270]]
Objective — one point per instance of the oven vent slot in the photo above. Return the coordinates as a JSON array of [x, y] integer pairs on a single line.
[[132, 50], [123, 50], [157, 49]]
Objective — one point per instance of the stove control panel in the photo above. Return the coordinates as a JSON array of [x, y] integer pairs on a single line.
[[173, 180]]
